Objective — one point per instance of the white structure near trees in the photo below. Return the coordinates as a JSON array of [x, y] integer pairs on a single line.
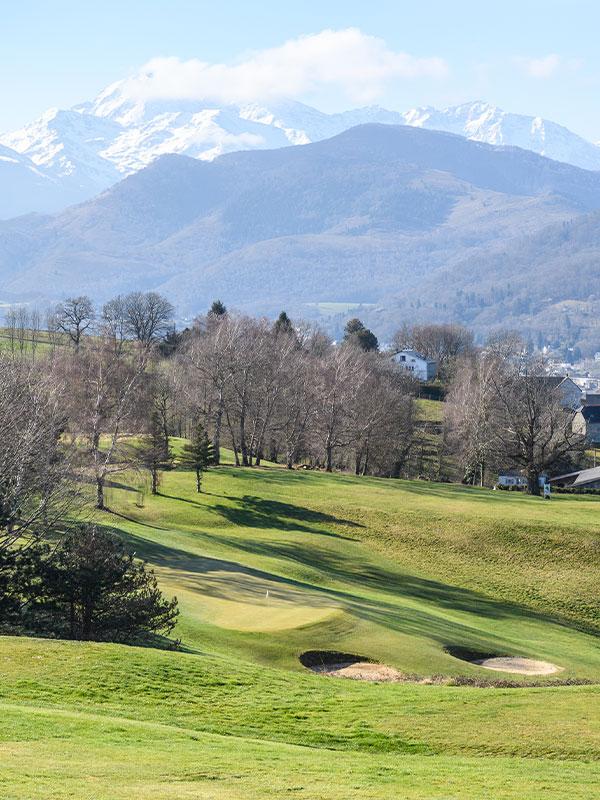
[[416, 364]]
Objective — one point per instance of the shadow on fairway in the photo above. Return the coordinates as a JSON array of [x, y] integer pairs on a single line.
[[231, 580], [256, 512]]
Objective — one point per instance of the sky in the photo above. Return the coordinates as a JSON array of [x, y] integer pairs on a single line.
[[532, 57]]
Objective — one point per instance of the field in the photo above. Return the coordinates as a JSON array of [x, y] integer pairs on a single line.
[[268, 564]]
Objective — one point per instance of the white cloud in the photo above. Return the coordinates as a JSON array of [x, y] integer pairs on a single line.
[[547, 66], [348, 61]]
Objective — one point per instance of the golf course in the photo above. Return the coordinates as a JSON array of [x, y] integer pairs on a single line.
[[419, 580]]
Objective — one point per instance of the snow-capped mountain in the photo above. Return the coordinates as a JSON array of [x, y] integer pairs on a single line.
[[484, 122], [88, 148]]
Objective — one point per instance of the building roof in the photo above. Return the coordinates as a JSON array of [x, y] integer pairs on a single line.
[[584, 476], [554, 381], [413, 353], [591, 414], [591, 399]]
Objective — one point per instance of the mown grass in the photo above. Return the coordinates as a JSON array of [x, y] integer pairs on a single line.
[[268, 563]]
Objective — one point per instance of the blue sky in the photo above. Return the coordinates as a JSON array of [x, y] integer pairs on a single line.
[[538, 57]]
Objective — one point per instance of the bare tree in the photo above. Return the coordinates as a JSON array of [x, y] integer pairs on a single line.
[[114, 320], [441, 343], [74, 317], [35, 491], [504, 412], [35, 321], [471, 416], [534, 428], [148, 316], [10, 320], [108, 396], [339, 373], [22, 327]]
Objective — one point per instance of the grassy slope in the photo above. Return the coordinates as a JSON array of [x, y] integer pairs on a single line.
[[391, 570]]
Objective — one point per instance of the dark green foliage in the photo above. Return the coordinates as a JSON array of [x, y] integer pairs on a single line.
[[90, 588], [172, 342], [155, 453], [283, 324], [356, 333], [198, 454], [218, 309]]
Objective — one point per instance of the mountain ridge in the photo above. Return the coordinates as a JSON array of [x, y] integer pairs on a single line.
[[87, 149], [396, 217]]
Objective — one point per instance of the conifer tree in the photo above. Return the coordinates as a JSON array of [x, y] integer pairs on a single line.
[[198, 454], [155, 454], [283, 324], [218, 309]]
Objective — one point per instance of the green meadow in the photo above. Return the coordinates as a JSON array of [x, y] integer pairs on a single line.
[[268, 564]]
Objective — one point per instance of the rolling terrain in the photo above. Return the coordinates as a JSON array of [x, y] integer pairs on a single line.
[[268, 564], [407, 223]]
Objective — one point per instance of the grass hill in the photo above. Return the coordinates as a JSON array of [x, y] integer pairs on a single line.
[[268, 564]]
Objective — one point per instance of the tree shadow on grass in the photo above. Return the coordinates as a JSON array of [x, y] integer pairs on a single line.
[[231, 580], [257, 512], [127, 518]]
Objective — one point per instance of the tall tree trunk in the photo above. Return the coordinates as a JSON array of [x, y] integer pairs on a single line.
[[100, 493], [243, 444], [329, 458], [217, 431], [198, 481], [273, 454], [365, 466], [165, 430], [357, 461], [533, 483]]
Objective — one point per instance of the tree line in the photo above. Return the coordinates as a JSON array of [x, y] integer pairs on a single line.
[[104, 390]]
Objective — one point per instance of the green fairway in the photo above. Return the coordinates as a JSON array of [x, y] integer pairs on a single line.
[[269, 563]]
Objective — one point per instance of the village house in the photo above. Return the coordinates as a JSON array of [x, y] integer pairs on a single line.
[[581, 479], [587, 423], [413, 362], [571, 393]]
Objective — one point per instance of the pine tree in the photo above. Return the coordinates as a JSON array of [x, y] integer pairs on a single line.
[[198, 454], [218, 309], [155, 454], [283, 324], [356, 333], [91, 588]]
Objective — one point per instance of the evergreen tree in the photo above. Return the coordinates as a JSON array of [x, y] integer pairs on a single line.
[[155, 453], [198, 454], [90, 588], [283, 324], [218, 309], [356, 333]]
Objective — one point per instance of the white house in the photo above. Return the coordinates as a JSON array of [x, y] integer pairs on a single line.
[[416, 364]]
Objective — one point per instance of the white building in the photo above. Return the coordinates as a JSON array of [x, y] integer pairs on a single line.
[[416, 364]]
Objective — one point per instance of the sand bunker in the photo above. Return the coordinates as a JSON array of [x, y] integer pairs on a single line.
[[503, 663], [346, 665], [516, 664]]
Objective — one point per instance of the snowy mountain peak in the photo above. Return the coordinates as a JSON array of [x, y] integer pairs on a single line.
[[91, 146]]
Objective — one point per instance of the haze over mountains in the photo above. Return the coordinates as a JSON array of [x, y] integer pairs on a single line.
[[404, 222], [84, 150]]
